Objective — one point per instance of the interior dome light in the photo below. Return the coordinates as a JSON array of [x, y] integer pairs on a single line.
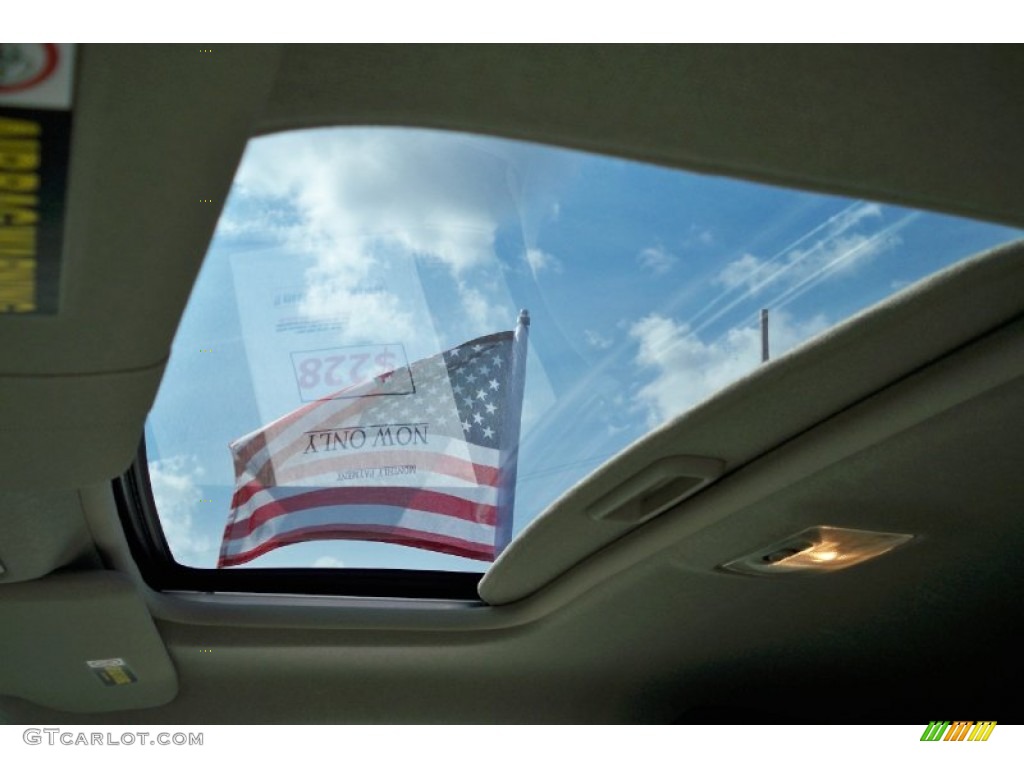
[[820, 549]]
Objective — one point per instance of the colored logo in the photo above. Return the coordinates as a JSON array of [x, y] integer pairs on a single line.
[[967, 730]]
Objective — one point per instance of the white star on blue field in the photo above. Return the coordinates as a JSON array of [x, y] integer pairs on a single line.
[[644, 285]]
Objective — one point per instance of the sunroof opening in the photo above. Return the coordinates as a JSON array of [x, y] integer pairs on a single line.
[[354, 385]]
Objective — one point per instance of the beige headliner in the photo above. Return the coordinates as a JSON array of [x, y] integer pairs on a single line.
[[157, 128], [916, 442]]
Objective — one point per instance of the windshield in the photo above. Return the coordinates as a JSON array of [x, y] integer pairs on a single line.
[[351, 267]]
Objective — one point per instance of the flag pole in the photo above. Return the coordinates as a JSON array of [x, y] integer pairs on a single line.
[[511, 418]]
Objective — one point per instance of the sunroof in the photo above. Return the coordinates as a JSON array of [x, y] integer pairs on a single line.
[[347, 383]]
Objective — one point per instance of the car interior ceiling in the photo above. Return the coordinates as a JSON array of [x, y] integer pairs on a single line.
[[905, 418]]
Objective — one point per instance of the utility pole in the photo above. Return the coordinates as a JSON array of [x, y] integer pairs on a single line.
[[764, 336]]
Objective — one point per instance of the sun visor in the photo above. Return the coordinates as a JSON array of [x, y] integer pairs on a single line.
[[781, 399], [40, 532], [69, 431], [119, 158], [82, 642]]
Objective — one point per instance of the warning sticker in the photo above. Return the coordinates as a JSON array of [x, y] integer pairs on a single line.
[[112, 671], [36, 75], [35, 141]]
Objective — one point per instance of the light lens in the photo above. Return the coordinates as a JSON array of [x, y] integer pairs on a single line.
[[819, 549]]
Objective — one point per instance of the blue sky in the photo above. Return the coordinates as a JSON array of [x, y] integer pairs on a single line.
[[644, 285]]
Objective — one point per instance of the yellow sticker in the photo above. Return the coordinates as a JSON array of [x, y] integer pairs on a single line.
[[35, 141], [112, 671]]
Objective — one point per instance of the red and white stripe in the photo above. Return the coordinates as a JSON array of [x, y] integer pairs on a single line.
[[287, 495], [441, 521]]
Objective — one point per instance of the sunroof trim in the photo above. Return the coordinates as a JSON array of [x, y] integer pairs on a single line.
[[159, 570]]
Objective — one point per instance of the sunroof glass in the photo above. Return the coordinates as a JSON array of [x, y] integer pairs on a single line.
[[354, 383]]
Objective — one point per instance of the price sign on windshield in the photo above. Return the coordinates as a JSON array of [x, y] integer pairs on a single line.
[[330, 373]]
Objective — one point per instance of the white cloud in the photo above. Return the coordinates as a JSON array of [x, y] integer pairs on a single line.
[[698, 236], [688, 370], [742, 271], [657, 260], [338, 287], [360, 200], [596, 340], [328, 562], [249, 214], [539, 261], [837, 250], [831, 249], [175, 484], [421, 190], [479, 308]]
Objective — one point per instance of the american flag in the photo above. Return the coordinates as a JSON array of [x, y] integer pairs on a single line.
[[423, 456]]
